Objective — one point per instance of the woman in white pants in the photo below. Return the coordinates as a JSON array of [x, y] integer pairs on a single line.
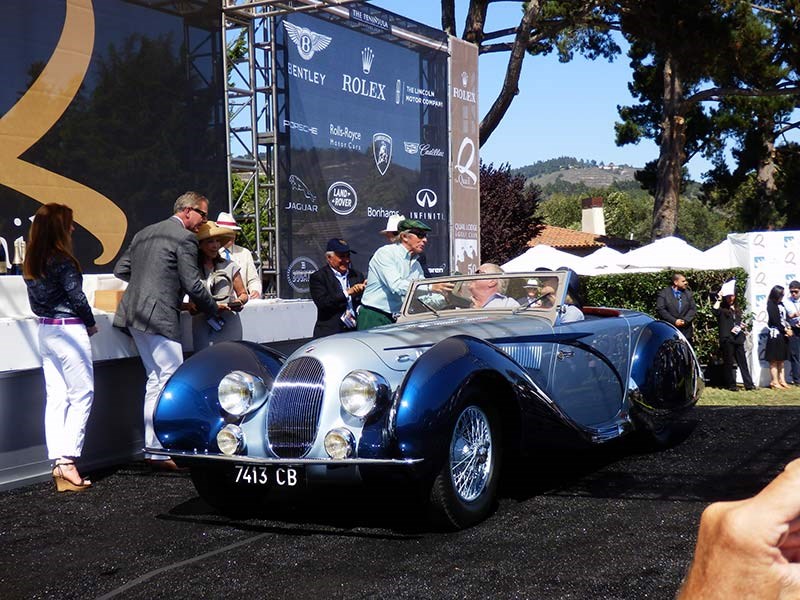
[[55, 293]]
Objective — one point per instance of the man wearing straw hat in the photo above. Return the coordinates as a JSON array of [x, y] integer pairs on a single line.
[[240, 255]]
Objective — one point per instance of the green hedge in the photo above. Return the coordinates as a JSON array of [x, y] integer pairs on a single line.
[[638, 291]]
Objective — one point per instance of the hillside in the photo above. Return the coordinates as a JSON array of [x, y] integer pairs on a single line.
[[575, 171], [593, 177]]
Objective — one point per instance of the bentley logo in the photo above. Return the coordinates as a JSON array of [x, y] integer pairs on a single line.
[[367, 56], [307, 41], [426, 198], [37, 111], [298, 186], [382, 151]]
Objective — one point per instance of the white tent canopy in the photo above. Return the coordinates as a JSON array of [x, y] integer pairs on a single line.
[[721, 256], [542, 256], [668, 252]]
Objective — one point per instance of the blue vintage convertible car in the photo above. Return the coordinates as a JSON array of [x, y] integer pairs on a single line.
[[438, 400]]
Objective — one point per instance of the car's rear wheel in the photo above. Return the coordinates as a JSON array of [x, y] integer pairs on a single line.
[[217, 488], [464, 492]]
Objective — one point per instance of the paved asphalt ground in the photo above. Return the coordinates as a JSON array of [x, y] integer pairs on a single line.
[[610, 524]]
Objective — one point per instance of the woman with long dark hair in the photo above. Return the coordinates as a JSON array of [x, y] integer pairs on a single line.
[[776, 351], [731, 342], [55, 293]]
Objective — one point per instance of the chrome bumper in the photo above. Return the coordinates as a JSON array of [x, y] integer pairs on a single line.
[[189, 456]]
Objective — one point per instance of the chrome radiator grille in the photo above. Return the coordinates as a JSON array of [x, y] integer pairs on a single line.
[[294, 407]]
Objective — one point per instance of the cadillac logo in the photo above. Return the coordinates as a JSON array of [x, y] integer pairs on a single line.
[[382, 151], [307, 41]]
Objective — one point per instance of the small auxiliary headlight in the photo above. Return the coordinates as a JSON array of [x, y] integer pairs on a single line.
[[240, 393], [360, 390], [340, 443], [230, 440]]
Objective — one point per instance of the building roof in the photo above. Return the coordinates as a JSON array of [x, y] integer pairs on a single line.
[[567, 239]]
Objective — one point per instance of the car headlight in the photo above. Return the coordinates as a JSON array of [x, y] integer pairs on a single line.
[[240, 393], [340, 443], [230, 439], [361, 390]]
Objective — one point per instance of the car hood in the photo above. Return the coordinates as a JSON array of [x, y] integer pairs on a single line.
[[400, 344]]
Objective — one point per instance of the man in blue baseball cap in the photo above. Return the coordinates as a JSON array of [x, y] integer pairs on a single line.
[[336, 290]]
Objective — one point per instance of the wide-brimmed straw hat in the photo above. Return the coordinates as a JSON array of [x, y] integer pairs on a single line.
[[210, 229]]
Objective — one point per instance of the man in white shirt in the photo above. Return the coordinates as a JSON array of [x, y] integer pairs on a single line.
[[241, 256], [792, 305], [488, 293]]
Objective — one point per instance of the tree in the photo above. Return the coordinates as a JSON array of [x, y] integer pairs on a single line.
[[685, 53], [565, 26], [507, 213]]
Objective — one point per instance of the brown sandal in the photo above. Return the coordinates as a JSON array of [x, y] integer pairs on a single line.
[[66, 485]]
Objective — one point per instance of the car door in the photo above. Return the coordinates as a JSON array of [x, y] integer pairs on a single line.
[[590, 366]]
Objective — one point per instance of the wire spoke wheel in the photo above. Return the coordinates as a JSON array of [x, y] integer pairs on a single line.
[[471, 454], [464, 492]]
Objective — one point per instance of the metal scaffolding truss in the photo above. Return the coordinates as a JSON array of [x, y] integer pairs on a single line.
[[251, 97]]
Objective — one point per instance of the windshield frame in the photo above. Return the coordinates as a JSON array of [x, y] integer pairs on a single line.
[[414, 310]]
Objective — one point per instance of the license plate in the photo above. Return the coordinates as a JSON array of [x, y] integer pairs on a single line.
[[268, 475]]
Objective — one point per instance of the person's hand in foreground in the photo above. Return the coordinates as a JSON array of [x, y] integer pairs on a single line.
[[750, 548]]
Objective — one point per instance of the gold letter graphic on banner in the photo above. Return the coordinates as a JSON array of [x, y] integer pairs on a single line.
[[33, 116]]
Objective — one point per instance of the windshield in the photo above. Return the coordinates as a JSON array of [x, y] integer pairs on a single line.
[[539, 293]]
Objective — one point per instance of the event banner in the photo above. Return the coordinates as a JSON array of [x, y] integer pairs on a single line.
[[112, 108], [771, 258], [362, 124], [464, 123]]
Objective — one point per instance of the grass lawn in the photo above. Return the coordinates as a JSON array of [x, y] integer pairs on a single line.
[[758, 397]]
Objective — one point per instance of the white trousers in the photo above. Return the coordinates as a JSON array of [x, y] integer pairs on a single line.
[[161, 357], [69, 382]]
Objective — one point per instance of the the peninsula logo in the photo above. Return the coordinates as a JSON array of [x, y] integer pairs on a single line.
[[342, 198], [382, 151], [308, 42], [426, 198], [298, 274], [367, 56]]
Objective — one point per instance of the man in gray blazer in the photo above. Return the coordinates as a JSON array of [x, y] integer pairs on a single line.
[[160, 266]]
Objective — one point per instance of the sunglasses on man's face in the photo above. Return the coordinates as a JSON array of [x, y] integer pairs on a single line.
[[794, 291], [200, 212], [420, 234]]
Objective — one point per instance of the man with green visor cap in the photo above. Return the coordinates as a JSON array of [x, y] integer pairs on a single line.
[[391, 270]]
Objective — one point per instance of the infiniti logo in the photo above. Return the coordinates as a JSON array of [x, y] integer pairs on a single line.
[[308, 42], [426, 198]]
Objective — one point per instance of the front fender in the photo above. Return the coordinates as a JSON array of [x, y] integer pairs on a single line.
[[665, 374], [188, 415], [426, 404]]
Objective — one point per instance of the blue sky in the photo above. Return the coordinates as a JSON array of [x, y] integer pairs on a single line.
[[562, 109]]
